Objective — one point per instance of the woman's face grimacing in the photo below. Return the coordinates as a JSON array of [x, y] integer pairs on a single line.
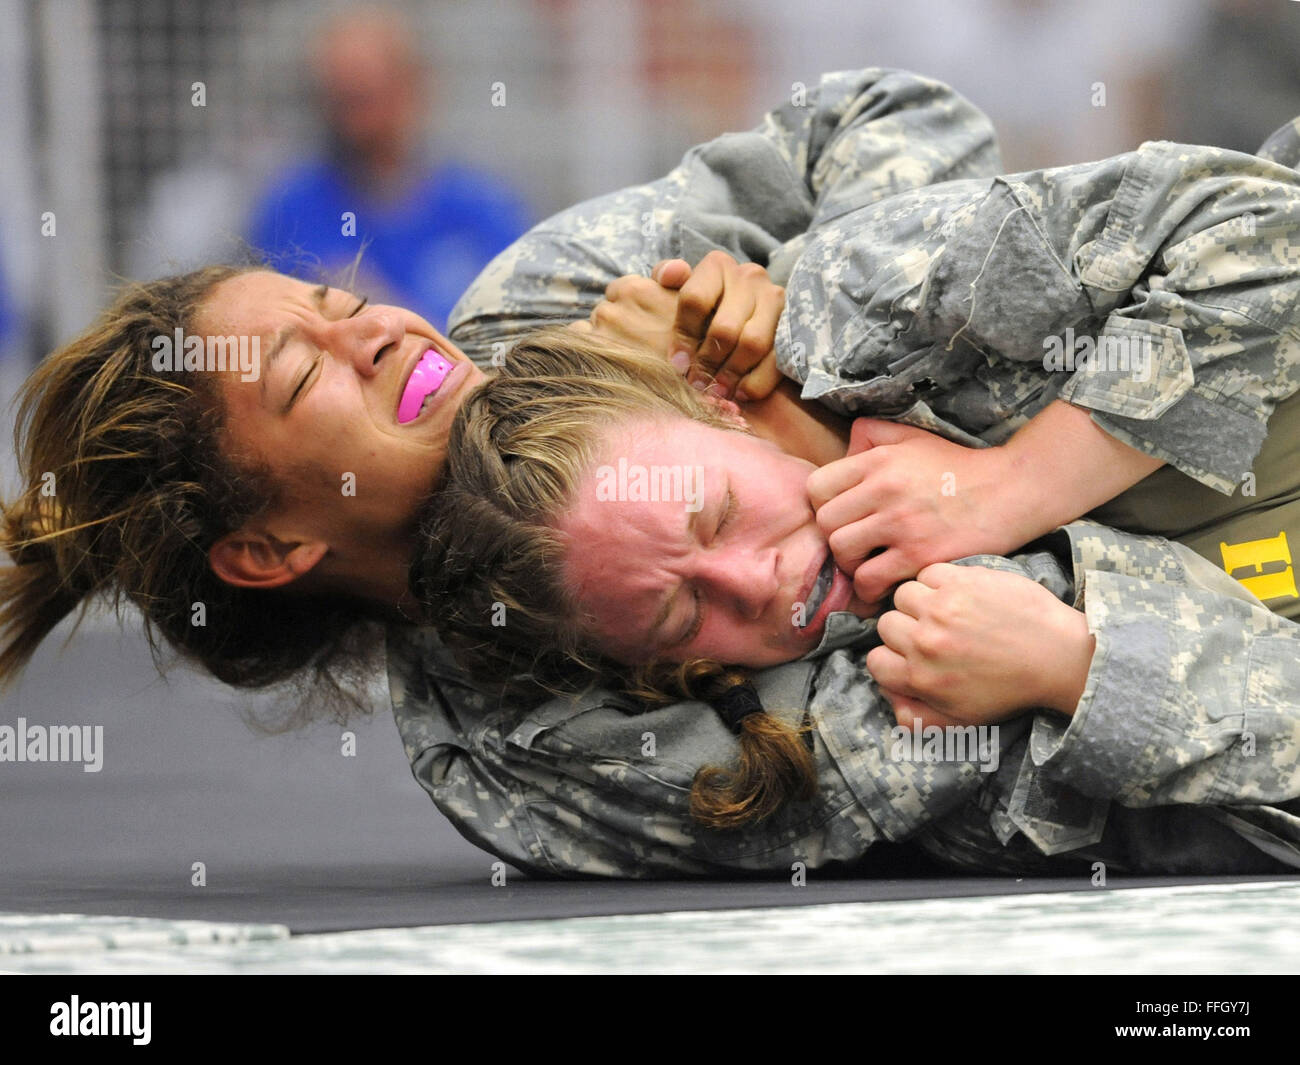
[[688, 541], [351, 408]]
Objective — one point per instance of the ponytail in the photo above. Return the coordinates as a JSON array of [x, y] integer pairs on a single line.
[[35, 592], [774, 767]]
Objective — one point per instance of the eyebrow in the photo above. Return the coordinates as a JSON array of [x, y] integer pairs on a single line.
[[289, 332]]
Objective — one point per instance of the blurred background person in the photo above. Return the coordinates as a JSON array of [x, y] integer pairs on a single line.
[[428, 224]]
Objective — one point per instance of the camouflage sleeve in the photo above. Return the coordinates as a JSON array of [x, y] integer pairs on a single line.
[[1193, 699], [866, 136], [1194, 692], [1158, 289], [902, 782], [850, 139], [1197, 271]]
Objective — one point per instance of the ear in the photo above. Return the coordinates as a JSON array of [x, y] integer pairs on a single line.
[[256, 559], [728, 409]]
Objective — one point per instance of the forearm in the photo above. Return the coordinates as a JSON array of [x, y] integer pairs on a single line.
[[1172, 353], [1059, 466], [859, 136], [807, 430]]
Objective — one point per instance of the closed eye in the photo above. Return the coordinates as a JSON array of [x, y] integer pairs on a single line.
[[698, 623], [727, 514], [315, 362], [320, 358]]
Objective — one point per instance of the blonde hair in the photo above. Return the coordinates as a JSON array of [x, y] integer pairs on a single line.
[[488, 550], [127, 488]]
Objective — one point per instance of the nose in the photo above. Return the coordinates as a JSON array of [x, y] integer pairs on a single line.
[[367, 338], [742, 578]]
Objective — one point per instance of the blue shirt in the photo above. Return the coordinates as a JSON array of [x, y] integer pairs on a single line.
[[423, 249], [8, 317]]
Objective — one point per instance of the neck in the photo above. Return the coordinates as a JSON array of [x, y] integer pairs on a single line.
[[385, 172], [377, 573]]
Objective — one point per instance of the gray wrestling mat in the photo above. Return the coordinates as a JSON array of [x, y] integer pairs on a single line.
[[291, 832]]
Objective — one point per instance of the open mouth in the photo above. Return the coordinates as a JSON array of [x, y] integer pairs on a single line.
[[820, 589], [430, 371]]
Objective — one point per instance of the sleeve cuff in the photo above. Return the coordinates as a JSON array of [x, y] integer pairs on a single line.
[[1106, 747]]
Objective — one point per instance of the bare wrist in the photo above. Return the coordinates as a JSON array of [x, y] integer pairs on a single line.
[[1020, 503], [1068, 676]]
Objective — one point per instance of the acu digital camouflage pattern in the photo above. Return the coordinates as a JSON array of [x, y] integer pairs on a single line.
[[593, 786], [874, 199], [590, 786], [942, 307], [938, 306]]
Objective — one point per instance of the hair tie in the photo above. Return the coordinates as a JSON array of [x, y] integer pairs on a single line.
[[737, 703]]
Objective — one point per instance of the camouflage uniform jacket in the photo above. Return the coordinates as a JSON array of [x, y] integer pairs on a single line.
[[593, 787], [922, 287], [964, 307], [1191, 768]]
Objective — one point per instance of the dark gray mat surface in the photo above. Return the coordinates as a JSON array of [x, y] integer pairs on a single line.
[[287, 828]]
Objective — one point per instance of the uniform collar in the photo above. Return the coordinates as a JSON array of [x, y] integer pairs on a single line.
[[842, 629]]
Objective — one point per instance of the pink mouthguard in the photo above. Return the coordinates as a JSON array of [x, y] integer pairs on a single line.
[[426, 378]]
